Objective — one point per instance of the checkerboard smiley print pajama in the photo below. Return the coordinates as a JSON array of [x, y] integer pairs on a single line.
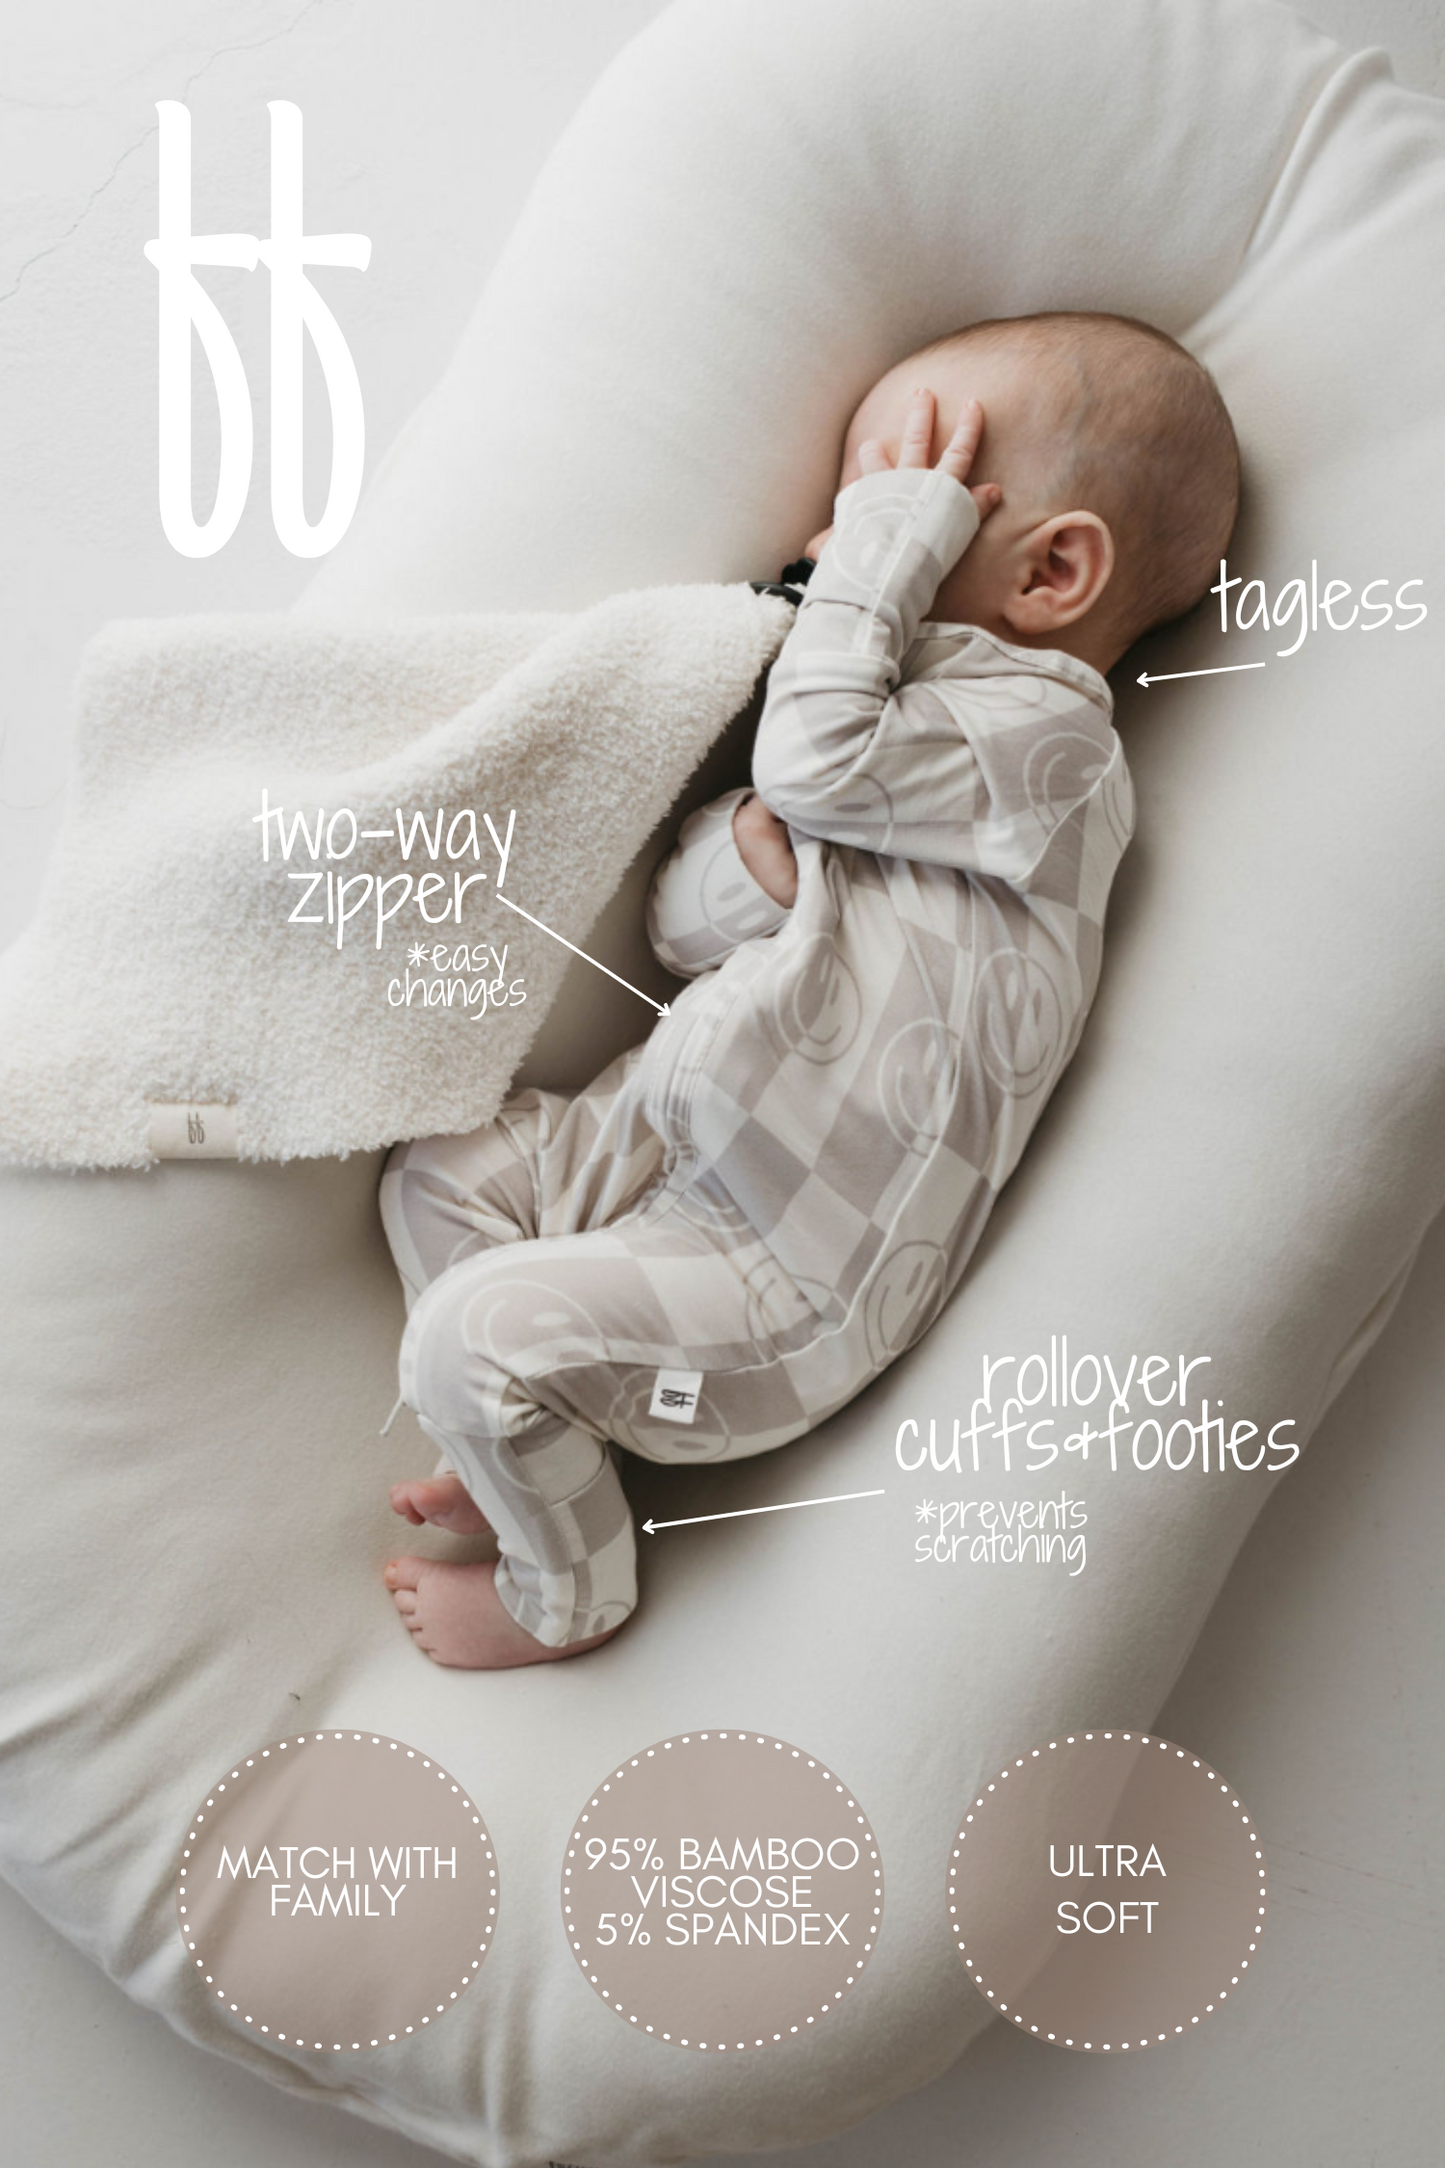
[[782, 1187]]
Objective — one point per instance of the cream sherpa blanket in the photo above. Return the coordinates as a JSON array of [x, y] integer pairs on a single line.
[[248, 943]]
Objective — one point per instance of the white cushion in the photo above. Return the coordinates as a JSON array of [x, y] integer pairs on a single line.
[[759, 207]]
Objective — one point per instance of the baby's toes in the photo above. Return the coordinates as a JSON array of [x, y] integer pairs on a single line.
[[445, 1501], [409, 1610], [404, 1503]]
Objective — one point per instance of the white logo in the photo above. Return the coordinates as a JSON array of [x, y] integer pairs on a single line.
[[675, 1395], [295, 304]]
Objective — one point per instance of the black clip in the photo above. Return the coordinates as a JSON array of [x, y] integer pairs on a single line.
[[790, 582]]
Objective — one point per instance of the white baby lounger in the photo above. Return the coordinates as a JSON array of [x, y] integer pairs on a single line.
[[756, 210]]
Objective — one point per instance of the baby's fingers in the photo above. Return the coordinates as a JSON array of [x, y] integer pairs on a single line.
[[959, 452], [873, 457], [917, 437], [988, 497]]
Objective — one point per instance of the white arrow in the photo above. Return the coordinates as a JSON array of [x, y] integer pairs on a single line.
[[743, 1511], [1220, 670], [662, 1007]]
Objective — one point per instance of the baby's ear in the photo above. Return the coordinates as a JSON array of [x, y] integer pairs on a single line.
[[1069, 560]]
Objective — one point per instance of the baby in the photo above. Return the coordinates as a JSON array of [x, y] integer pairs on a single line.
[[892, 943]]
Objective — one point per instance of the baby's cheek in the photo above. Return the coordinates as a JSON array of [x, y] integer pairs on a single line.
[[966, 595]]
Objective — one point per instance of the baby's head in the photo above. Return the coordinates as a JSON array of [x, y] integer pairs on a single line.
[[1118, 466]]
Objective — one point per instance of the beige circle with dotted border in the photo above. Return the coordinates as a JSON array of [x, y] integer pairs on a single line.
[[1060, 1914], [761, 1937], [337, 1891]]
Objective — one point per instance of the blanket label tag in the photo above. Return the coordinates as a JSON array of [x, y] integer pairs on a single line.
[[675, 1395], [190, 1129]]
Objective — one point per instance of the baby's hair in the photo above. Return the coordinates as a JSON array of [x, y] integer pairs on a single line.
[[1149, 447]]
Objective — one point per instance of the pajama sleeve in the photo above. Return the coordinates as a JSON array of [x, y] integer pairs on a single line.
[[703, 901], [972, 770]]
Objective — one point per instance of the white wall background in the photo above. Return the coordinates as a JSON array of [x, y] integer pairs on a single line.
[[1316, 1682]]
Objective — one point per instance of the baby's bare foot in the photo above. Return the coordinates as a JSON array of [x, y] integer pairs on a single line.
[[456, 1617], [443, 1501]]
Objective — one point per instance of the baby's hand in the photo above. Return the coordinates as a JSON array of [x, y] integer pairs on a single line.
[[764, 848], [956, 458]]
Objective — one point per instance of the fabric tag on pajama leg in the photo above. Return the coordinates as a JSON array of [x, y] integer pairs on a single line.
[[675, 1395]]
